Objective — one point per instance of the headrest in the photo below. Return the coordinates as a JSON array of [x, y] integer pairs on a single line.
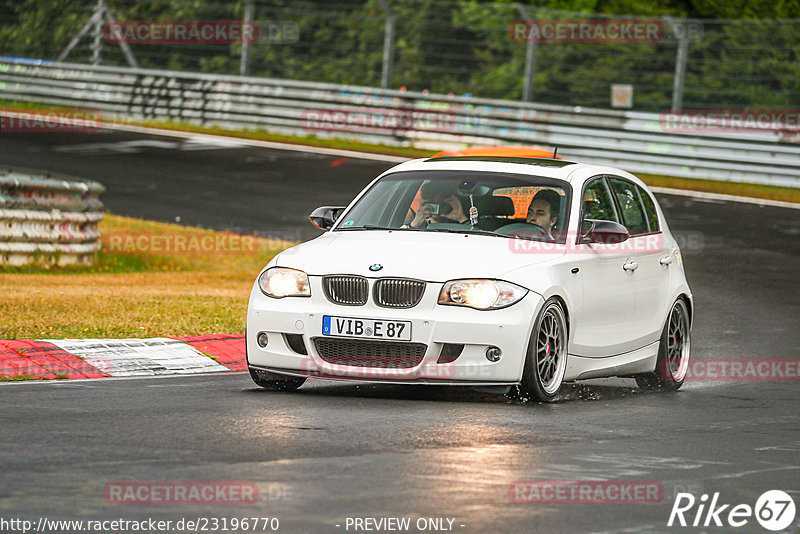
[[495, 205]]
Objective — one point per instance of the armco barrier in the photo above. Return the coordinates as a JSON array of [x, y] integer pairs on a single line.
[[639, 142], [48, 219]]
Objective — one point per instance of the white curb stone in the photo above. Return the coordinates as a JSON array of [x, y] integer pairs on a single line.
[[140, 357]]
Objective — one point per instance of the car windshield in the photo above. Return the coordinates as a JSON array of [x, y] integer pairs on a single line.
[[508, 205]]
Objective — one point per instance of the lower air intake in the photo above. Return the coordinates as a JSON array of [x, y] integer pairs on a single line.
[[365, 353]]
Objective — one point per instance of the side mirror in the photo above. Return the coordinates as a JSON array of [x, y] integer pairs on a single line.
[[606, 232], [324, 217]]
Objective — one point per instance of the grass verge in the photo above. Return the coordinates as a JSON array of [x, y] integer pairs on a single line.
[[19, 378], [770, 192], [133, 292]]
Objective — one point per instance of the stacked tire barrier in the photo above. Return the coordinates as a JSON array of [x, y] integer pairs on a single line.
[[635, 141], [47, 219]]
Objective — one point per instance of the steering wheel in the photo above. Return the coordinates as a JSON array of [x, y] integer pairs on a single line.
[[536, 227], [523, 229]]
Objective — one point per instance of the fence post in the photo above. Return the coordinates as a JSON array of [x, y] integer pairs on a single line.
[[101, 12], [97, 42], [680, 74], [96, 15], [244, 64], [682, 33], [530, 57], [123, 44], [388, 43]]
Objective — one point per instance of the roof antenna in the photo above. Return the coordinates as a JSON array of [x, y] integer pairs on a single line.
[[555, 153]]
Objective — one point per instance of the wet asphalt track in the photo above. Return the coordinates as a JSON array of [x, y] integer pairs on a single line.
[[332, 451]]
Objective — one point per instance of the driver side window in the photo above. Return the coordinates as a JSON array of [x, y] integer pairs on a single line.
[[630, 204], [597, 203]]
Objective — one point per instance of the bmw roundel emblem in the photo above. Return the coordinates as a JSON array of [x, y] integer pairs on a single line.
[[375, 267]]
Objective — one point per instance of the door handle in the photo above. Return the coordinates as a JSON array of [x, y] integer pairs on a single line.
[[666, 260], [630, 266]]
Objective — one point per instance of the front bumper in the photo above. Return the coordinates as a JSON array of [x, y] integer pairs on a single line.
[[431, 324]]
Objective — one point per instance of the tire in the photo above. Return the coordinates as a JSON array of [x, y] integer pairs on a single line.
[[673, 352], [275, 382], [546, 358]]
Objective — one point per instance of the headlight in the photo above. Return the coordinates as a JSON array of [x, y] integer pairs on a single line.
[[279, 282], [481, 294]]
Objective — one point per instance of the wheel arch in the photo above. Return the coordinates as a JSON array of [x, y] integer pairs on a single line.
[[563, 301], [565, 308], [689, 306]]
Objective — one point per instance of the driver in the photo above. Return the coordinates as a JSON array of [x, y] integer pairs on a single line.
[[543, 210], [442, 195]]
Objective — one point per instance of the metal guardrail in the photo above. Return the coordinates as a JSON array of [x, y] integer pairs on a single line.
[[48, 219], [635, 141]]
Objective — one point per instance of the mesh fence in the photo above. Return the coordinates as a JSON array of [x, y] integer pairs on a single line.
[[443, 47]]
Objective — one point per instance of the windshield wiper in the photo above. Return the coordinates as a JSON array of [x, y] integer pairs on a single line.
[[464, 231], [369, 227]]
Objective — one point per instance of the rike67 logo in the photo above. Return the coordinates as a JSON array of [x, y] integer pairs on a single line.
[[774, 510]]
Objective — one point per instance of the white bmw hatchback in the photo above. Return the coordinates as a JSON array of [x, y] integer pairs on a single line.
[[479, 271]]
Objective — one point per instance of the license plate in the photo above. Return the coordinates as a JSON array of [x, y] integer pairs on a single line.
[[369, 328]]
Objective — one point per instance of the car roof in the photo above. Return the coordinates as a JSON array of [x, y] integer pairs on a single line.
[[522, 160], [501, 150], [570, 171]]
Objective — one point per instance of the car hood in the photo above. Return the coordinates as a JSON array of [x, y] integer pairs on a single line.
[[430, 256]]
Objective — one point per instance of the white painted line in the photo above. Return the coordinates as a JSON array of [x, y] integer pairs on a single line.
[[755, 472], [255, 142], [140, 357], [726, 198]]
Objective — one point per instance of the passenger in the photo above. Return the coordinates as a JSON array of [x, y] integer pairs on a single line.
[[441, 196]]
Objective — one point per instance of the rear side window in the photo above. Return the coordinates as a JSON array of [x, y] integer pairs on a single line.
[[632, 212], [649, 209], [597, 203]]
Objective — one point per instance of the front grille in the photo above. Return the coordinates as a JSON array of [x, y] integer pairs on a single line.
[[346, 290], [365, 353], [398, 292]]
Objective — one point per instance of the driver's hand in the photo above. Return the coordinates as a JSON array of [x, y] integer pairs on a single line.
[[422, 216]]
